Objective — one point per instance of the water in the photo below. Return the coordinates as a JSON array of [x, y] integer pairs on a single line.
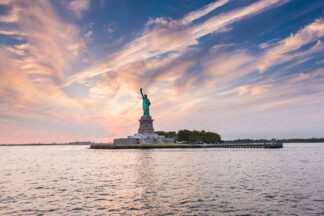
[[75, 180]]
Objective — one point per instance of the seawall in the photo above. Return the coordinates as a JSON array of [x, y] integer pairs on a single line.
[[159, 146]]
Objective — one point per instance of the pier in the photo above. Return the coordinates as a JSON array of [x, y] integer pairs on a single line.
[[276, 144]]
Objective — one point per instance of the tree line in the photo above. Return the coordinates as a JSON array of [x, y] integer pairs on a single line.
[[188, 136]]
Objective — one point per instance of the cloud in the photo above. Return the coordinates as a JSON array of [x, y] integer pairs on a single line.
[[32, 68], [88, 35], [281, 52], [110, 28], [314, 75], [48, 40], [219, 22], [12, 15], [78, 6], [203, 11]]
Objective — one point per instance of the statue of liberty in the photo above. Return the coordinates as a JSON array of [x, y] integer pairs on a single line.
[[146, 105]]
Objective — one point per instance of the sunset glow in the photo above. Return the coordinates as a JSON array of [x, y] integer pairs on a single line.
[[72, 70]]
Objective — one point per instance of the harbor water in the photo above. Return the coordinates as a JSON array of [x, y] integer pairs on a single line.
[[76, 180]]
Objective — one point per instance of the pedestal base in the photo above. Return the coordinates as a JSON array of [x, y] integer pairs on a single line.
[[145, 135], [146, 126]]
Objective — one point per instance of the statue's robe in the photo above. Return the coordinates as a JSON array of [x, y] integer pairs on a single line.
[[146, 107]]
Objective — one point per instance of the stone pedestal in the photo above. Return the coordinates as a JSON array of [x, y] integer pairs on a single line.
[[145, 135], [146, 126]]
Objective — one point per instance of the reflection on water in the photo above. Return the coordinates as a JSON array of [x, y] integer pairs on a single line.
[[145, 179], [75, 180]]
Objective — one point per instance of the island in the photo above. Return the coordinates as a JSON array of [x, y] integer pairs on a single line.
[[147, 138]]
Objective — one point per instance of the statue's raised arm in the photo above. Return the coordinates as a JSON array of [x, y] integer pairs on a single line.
[[141, 92]]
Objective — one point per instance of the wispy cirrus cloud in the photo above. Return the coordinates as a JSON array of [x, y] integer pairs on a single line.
[[281, 52], [49, 39], [203, 11], [32, 68]]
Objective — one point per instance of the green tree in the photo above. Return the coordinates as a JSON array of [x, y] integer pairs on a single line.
[[192, 136], [195, 136], [183, 135]]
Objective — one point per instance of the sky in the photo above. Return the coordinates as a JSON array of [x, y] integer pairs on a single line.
[[71, 70]]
